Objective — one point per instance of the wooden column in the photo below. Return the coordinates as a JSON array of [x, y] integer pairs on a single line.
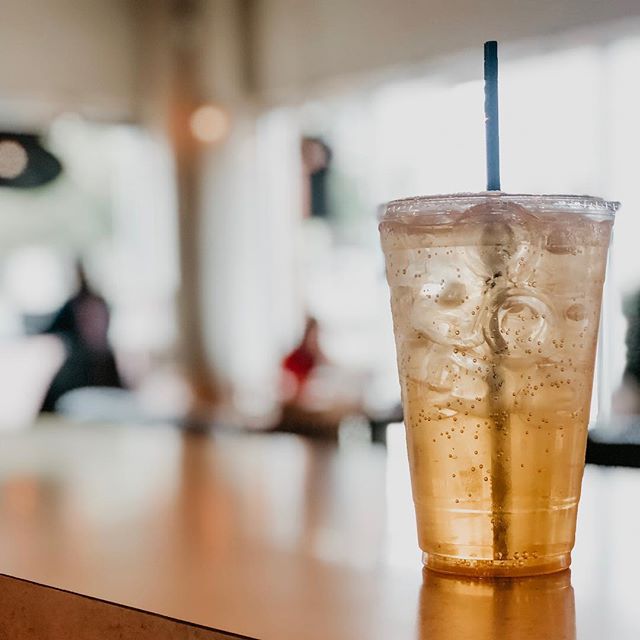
[[184, 98]]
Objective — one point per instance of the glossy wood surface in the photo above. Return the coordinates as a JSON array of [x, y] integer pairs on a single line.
[[29, 611], [275, 537]]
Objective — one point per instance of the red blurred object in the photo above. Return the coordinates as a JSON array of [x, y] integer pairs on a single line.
[[305, 357]]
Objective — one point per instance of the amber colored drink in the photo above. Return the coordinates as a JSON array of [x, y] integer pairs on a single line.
[[496, 306]]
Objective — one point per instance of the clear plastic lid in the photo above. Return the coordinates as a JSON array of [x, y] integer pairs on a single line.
[[596, 208]]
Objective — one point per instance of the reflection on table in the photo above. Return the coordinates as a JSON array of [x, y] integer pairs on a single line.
[[539, 608]]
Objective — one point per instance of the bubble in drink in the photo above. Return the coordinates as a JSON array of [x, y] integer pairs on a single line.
[[496, 305]]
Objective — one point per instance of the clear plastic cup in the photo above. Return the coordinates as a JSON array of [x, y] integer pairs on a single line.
[[496, 305]]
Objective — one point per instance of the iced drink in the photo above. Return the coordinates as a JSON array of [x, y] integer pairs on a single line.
[[496, 306]]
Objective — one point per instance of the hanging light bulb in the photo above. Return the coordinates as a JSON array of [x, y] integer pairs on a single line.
[[209, 123], [13, 159]]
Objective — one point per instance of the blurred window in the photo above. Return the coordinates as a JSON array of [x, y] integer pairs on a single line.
[[101, 192], [569, 124]]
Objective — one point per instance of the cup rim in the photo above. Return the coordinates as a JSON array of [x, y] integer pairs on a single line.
[[417, 205]]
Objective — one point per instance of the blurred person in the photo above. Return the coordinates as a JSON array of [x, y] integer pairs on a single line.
[[298, 365], [316, 161], [82, 324], [316, 394]]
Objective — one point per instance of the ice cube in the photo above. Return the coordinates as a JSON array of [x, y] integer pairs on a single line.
[[405, 267], [451, 380], [453, 295], [429, 364], [517, 327], [449, 313], [576, 312], [561, 241], [504, 241]]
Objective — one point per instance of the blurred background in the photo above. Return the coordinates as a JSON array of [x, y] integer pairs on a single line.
[[189, 191]]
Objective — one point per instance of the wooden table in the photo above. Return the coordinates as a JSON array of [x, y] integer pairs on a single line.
[[271, 537]]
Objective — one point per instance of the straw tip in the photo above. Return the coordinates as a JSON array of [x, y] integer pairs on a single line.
[[491, 47]]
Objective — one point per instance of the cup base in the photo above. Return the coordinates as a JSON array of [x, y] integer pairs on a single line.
[[496, 568]]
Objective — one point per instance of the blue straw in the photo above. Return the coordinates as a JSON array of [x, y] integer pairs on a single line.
[[492, 124]]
